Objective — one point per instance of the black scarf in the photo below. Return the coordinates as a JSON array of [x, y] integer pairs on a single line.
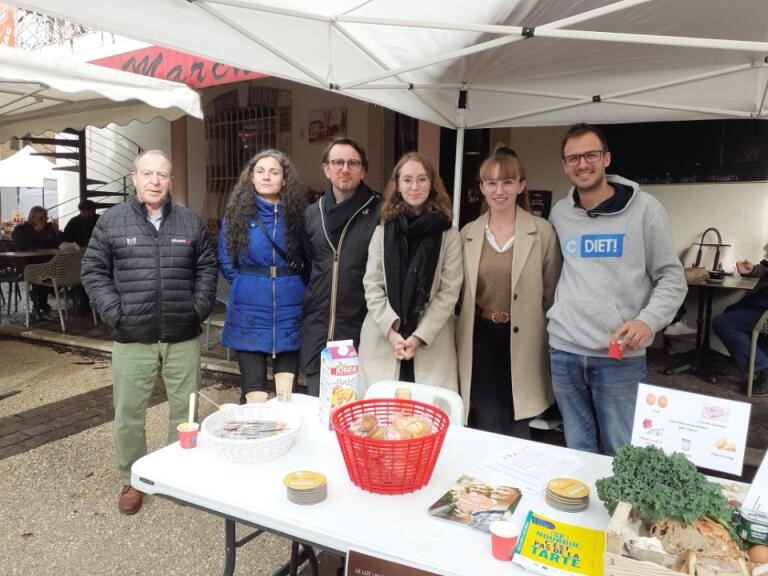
[[337, 215], [411, 250]]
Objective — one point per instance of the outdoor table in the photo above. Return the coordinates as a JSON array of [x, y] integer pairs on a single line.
[[700, 361], [393, 527], [19, 259]]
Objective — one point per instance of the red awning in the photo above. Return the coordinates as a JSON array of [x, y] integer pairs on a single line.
[[177, 66]]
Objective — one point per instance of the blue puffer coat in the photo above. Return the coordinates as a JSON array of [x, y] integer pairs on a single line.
[[263, 313]]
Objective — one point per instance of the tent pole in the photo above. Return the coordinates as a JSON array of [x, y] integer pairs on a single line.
[[457, 175]]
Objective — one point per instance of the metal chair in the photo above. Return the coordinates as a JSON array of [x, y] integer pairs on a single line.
[[60, 273], [761, 327], [9, 275], [223, 290], [447, 400]]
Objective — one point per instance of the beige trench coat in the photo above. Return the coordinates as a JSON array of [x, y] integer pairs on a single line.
[[536, 263], [435, 361]]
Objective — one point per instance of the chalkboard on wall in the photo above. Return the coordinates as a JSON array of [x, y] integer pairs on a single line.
[[689, 152]]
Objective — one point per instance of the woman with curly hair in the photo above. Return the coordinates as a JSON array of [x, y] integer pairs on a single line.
[[260, 254], [412, 282]]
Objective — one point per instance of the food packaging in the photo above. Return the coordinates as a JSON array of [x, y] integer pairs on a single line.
[[338, 377]]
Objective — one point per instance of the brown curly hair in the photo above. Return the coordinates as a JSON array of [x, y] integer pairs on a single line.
[[438, 200], [241, 208]]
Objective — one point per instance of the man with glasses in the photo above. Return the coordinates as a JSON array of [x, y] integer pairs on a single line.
[[150, 271], [338, 230], [621, 282]]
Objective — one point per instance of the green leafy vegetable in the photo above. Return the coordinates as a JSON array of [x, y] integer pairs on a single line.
[[661, 486]]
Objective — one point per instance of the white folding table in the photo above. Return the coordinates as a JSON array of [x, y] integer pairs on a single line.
[[394, 527]]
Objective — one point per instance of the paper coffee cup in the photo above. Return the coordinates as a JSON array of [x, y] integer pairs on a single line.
[[187, 434], [615, 351], [283, 386], [256, 397], [504, 536]]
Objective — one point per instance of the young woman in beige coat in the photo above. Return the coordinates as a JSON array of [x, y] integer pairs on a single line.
[[412, 282], [511, 265]]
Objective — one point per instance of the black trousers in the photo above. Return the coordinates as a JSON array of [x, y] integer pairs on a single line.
[[253, 368], [490, 402]]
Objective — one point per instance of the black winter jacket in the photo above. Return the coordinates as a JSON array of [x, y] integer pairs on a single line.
[[150, 285], [325, 317]]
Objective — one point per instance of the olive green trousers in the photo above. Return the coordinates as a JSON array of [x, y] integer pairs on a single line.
[[134, 373]]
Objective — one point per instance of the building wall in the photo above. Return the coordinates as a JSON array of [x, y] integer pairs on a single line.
[[365, 123]]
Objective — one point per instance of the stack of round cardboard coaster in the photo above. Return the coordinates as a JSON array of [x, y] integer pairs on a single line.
[[567, 494], [306, 487]]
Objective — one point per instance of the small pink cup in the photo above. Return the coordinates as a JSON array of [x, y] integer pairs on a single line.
[[615, 351], [188, 434], [504, 536]]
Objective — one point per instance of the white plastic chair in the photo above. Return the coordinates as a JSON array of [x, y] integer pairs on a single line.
[[447, 400]]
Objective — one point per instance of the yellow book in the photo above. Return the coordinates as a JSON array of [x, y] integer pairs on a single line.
[[549, 546]]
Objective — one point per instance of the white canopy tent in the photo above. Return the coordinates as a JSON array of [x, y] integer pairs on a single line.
[[482, 64], [40, 93], [23, 170]]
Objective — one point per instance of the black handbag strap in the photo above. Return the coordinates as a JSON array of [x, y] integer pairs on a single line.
[[716, 263], [277, 248]]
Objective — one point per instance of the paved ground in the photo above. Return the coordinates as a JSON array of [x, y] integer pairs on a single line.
[[58, 484]]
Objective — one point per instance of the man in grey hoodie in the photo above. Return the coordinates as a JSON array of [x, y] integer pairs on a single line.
[[621, 283]]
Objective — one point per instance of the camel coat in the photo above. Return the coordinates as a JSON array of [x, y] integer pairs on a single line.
[[536, 263], [435, 360]]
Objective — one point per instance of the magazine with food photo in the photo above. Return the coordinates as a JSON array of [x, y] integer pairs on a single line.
[[475, 503]]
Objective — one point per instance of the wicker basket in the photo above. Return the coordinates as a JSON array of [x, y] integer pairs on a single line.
[[252, 451]]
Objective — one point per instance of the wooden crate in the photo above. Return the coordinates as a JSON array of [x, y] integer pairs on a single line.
[[614, 564]]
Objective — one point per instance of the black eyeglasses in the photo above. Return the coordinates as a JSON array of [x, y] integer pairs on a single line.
[[338, 164], [591, 157]]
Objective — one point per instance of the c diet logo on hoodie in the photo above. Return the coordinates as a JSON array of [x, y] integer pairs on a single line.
[[594, 246]]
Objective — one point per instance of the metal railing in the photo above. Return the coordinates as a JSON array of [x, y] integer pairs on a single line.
[[34, 31]]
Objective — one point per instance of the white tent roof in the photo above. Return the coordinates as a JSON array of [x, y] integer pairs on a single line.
[[24, 170], [522, 62], [40, 93]]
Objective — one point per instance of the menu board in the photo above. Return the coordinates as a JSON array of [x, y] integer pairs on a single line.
[[709, 431]]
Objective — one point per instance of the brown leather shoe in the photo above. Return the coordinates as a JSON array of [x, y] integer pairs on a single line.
[[130, 500]]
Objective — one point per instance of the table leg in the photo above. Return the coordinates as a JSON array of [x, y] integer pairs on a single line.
[[230, 547]]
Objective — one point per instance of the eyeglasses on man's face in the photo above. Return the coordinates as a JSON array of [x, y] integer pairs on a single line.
[[338, 164], [590, 157], [493, 185]]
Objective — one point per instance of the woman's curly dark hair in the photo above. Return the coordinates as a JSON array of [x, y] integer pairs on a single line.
[[241, 208]]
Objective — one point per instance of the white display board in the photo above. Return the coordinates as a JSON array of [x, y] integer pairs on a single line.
[[710, 431]]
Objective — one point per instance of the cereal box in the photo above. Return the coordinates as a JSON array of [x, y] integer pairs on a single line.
[[338, 377]]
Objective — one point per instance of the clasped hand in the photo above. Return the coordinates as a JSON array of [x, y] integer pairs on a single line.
[[403, 348]]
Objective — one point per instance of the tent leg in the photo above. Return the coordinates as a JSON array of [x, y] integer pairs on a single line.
[[457, 175]]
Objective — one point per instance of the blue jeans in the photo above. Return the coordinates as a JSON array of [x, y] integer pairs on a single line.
[[734, 327], [596, 395]]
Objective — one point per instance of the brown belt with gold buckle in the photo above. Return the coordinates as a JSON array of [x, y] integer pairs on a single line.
[[495, 317]]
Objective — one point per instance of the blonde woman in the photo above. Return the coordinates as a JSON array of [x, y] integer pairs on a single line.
[[511, 265], [412, 282]]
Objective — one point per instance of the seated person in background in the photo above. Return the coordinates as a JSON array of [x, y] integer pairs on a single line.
[[80, 227], [37, 234], [79, 230], [734, 327]]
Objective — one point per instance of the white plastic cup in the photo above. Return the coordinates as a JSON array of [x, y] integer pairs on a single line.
[[283, 386], [256, 397]]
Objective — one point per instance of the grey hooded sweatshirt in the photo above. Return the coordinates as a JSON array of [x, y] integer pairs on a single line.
[[619, 264]]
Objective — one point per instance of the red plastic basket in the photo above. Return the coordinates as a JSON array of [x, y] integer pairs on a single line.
[[389, 466]]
